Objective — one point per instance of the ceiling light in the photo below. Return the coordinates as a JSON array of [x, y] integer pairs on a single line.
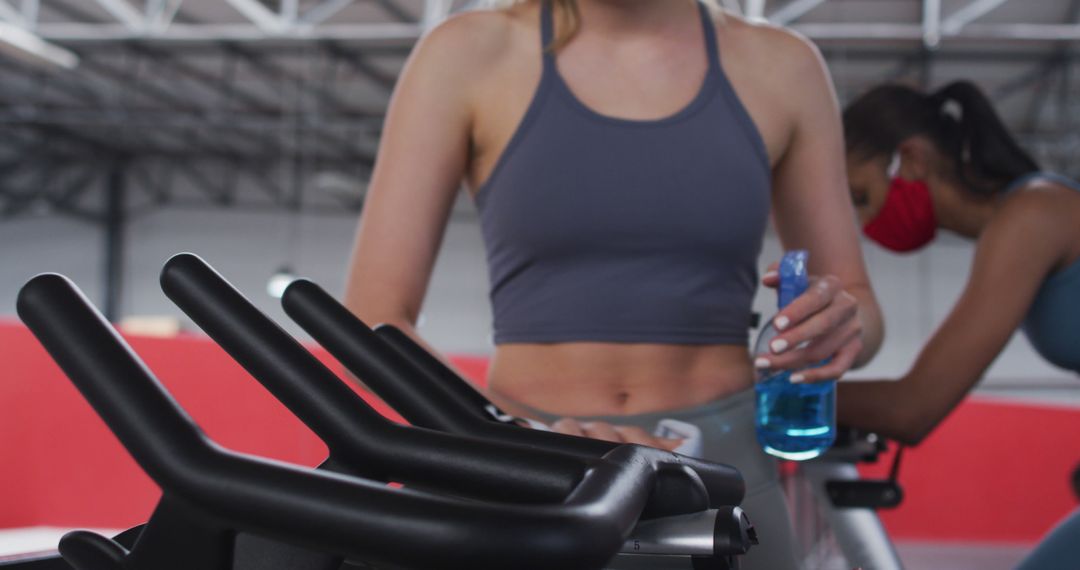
[[279, 281]]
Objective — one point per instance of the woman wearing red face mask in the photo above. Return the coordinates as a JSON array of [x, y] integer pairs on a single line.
[[919, 162]]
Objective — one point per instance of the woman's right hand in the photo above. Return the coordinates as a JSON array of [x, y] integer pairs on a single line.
[[617, 434]]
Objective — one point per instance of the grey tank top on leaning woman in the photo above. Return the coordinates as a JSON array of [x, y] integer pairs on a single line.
[[617, 230]]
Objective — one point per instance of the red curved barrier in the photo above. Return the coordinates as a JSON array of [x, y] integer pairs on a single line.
[[994, 472]]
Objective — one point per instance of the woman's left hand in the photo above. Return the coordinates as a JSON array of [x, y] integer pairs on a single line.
[[615, 433], [821, 324]]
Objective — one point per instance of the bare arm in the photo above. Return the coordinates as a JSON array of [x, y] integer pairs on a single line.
[[422, 158], [1014, 255], [839, 315]]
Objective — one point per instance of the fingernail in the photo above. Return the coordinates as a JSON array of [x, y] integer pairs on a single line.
[[782, 322], [769, 275], [779, 345], [797, 378], [762, 363]]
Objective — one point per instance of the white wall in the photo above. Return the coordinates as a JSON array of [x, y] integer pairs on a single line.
[[247, 248], [916, 291]]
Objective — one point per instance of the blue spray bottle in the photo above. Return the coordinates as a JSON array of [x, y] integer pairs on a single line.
[[793, 421]]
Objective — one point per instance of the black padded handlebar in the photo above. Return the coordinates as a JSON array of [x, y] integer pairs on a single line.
[[317, 509], [361, 441], [359, 437], [429, 394]]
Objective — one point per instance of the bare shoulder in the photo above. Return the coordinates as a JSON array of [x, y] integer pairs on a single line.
[[778, 48], [1040, 219], [782, 79], [1041, 206], [468, 43]]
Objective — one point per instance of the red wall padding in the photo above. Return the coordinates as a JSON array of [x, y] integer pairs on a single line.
[[992, 472]]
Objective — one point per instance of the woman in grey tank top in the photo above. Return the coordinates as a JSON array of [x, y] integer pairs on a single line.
[[625, 157]]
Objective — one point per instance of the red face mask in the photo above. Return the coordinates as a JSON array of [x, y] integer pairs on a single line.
[[906, 221]]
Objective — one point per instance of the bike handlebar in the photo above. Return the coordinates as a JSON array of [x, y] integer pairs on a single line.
[[428, 393], [320, 509], [361, 441]]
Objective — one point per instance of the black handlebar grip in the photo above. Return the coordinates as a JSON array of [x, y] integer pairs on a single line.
[[92, 354], [408, 372], [324, 510], [425, 404], [359, 438], [724, 483]]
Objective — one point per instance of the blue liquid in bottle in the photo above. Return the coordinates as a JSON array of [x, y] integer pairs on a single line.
[[793, 421]]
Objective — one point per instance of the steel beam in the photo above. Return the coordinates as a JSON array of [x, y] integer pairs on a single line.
[[1036, 77], [9, 14], [114, 225], [216, 191], [125, 13], [263, 18], [404, 35], [65, 198], [20, 43], [30, 12], [216, 33], [860, 31], [289, 11], [324, 11], [92, 144], [931, 23], [793, 11], [158, 191], [326, 96], [394, 9], [191, 117], [209, 80], [435, 11], [160, 14], [876, 54], [870, 32], [360, 64], [1021, 32], [968, 14], [732, 6], [1066, 119], [1042, 76]]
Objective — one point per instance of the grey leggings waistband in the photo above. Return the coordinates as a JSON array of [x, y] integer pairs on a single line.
[[687, 414], [727, 428]]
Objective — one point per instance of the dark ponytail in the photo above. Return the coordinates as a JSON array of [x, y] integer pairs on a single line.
[[958, 118]]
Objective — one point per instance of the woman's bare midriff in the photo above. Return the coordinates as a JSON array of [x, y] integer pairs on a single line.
[[589, 378]]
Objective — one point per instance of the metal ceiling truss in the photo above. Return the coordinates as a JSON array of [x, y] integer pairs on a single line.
[[147, 102], [154, 84], [50, 184], [155, 21], [164, 109]]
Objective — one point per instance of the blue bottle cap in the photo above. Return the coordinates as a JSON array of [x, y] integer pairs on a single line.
[[793, 276]]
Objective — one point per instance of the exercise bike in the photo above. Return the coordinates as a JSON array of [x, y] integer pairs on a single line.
[[468, 501]]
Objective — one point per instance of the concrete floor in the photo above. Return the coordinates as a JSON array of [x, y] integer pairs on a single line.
[[916, 556], [35, 539], [929, 556]]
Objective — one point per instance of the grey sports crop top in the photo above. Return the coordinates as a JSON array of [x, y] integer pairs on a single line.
[[616, 230]]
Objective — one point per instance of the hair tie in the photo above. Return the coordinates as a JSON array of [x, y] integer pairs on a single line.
[[953, 109]]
